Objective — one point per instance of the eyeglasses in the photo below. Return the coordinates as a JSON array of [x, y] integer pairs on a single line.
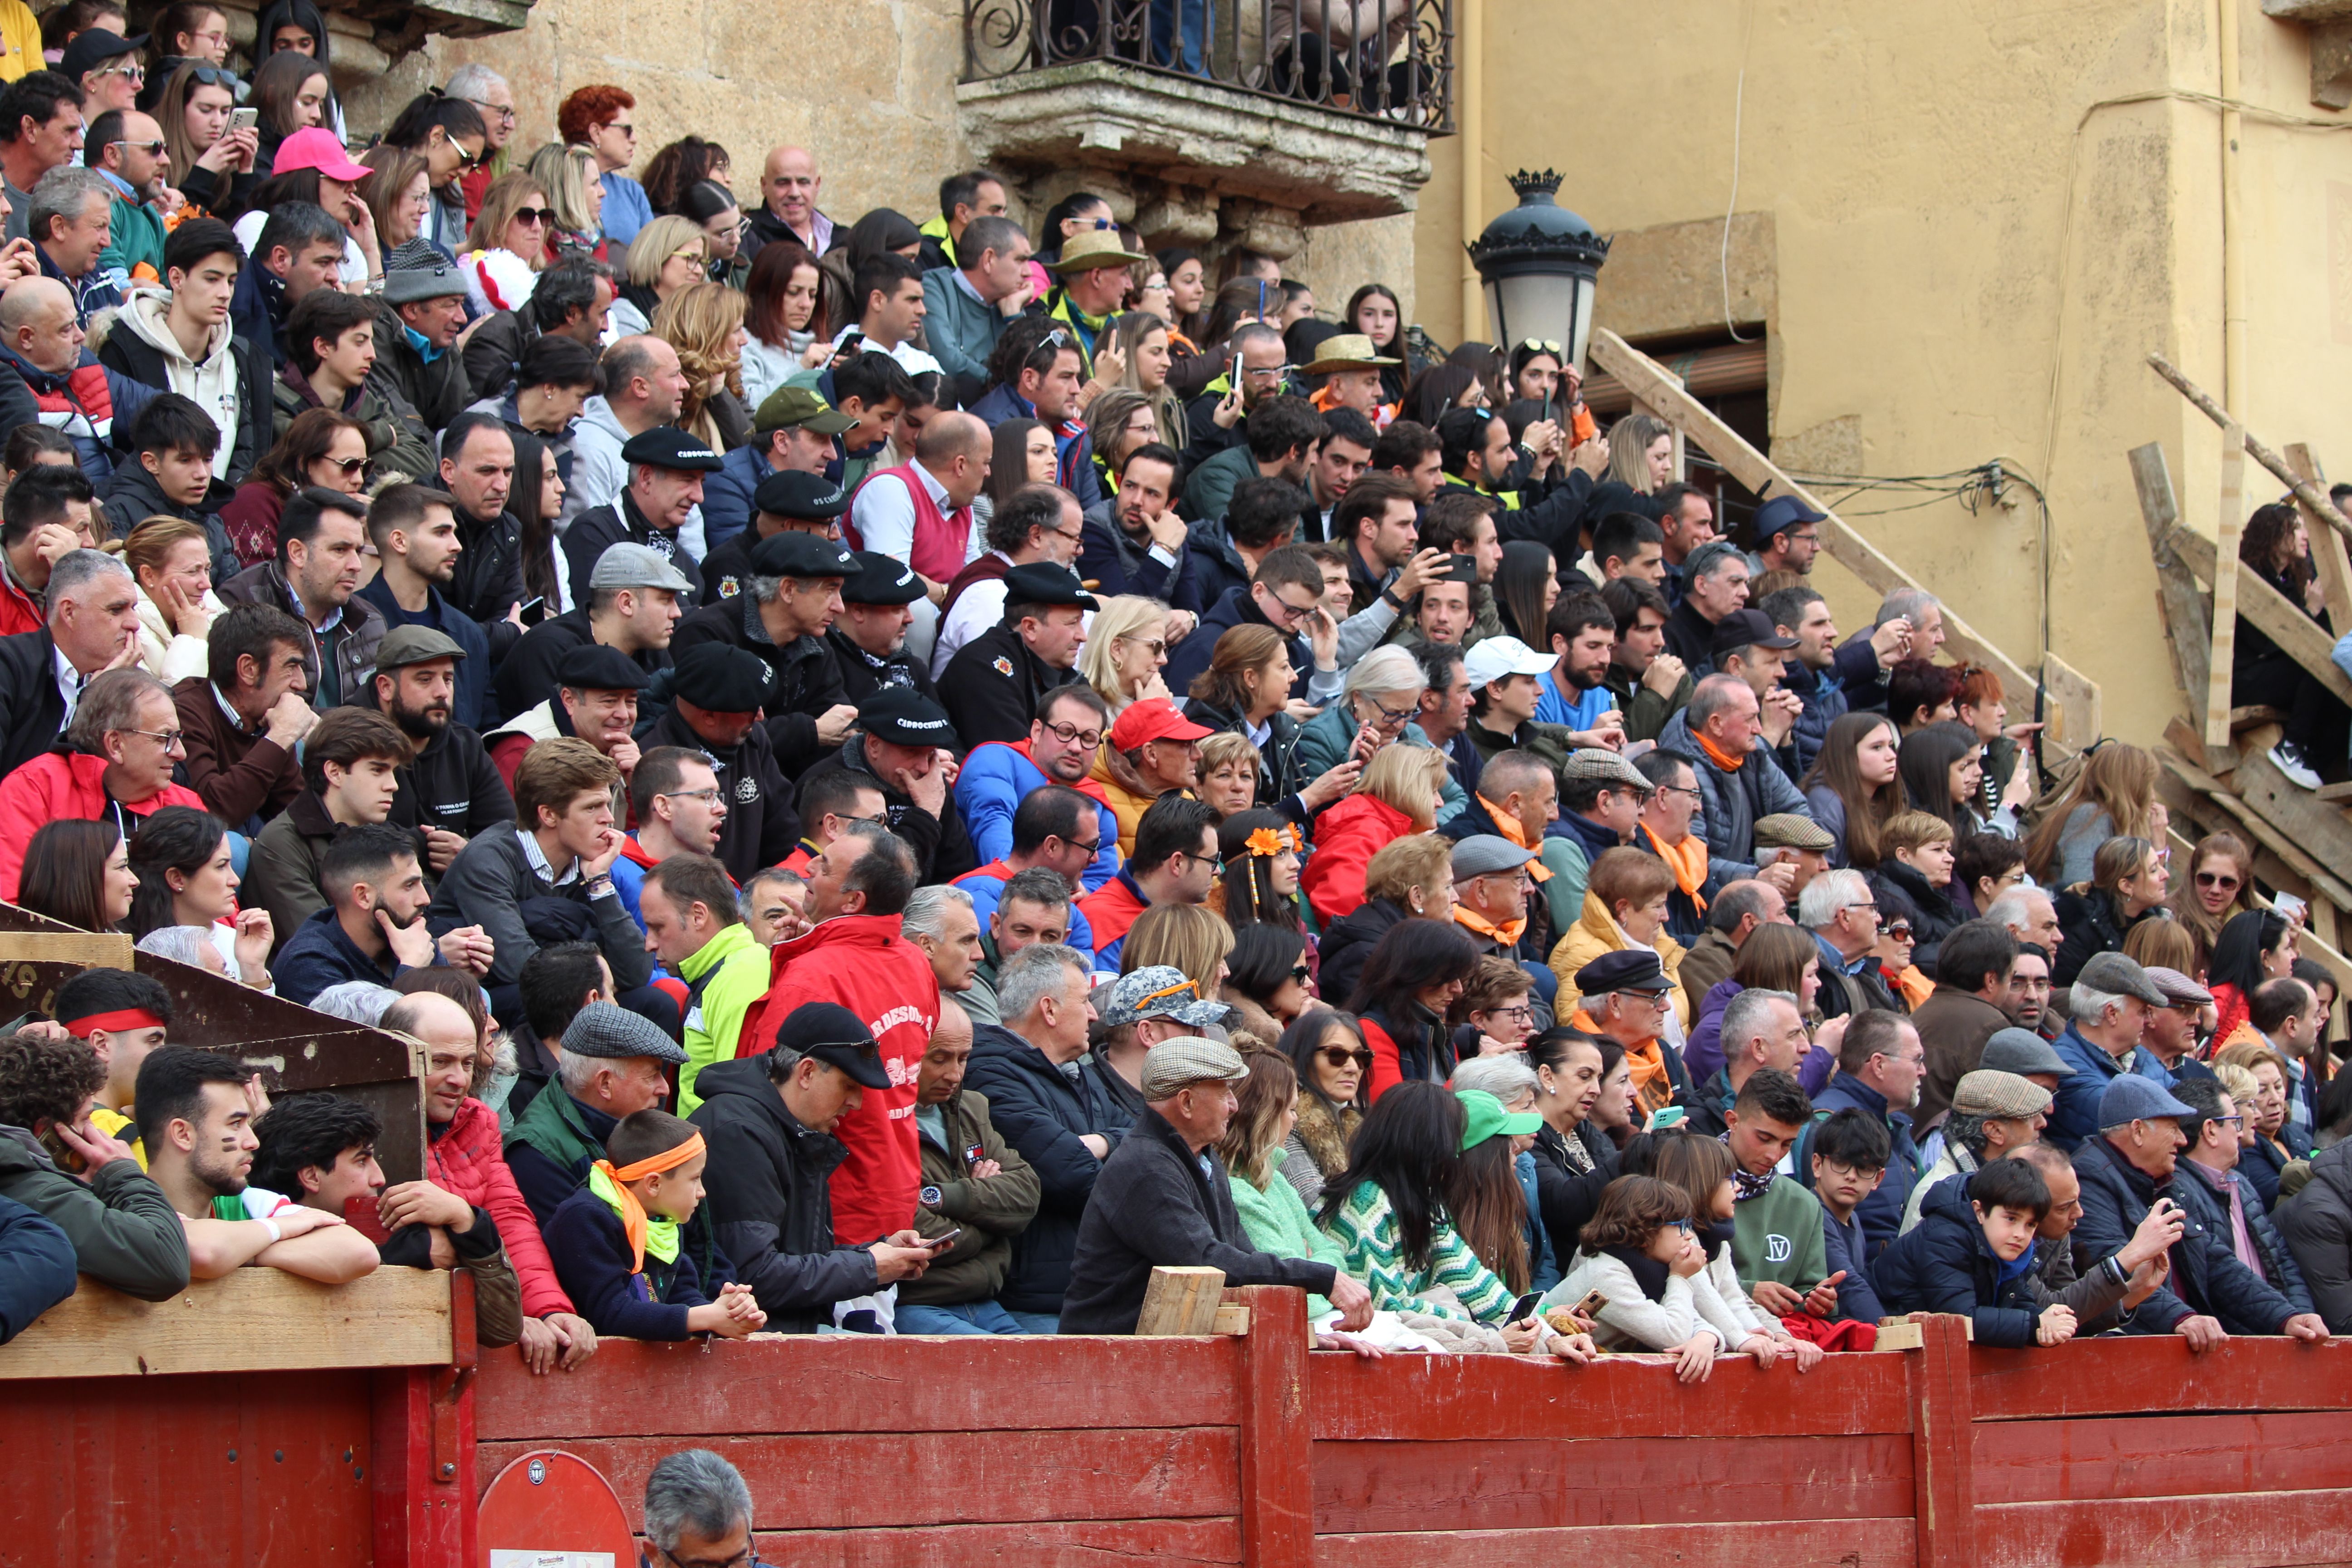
[[1696, 797], [2215, 880], [691, 252], [153, 149], [1685, 1226], [707, 796], [534, 214], [1071, 735], [1092, 849], [1191, 986], [1391, 717], [1266, 372], [1522, 1010], [468, 160], [173, 739], [1339, 1057], [2228, 1120], [1059, 338], [1216, 861], [505, 111], [1873, 908], [1293, 614]]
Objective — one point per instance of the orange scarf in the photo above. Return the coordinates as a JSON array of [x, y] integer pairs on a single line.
[[632, 1213], [1503, 935], [1686, 860], [1651, 1081], [1509, 826], [1717, 755]]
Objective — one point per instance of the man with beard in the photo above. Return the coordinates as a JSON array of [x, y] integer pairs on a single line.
[[317, 577], [417, 544], [449, 790], [596, 701], [787, 604], [373, 925], [665, 470], [477, 465], [242, 724], [1576, 694], [633, 605], [715, 695], [1060, 749], [868, 641], [902, 747]]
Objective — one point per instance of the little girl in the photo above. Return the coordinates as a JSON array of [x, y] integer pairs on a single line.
[[1638, 1250]]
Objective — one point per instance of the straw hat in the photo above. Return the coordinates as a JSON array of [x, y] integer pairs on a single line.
[[1347, 350], [1094, 247]]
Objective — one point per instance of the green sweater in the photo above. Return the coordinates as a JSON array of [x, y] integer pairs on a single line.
[[1779, 1237], [1365, 1228], [1275, 1220]]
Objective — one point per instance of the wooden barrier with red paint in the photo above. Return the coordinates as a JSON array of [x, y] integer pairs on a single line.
[[1044, 1452]]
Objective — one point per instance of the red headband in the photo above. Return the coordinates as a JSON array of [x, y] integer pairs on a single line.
[[114, 1022]]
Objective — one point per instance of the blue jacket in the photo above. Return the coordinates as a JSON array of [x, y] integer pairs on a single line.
[[1842, 1249], [2207, 1276], [591, 1254], [2196, 1194], [1216, 565], [474, 707], [37, 1266], [1825, 694], [988, 891], [2075, 1115], [1191, 657], [319, 955], [1042, 1112], [1880, 1213], [1944, 1265], [727, 494], [1107, 559], [995, 780]]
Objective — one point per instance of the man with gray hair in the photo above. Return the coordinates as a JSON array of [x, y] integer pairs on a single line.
[[612, 1064], [1059, 1117], [1715, 584], [1166, 1200], [698, 1510], [491, 96], [1922, 612], [1841, 913], [939, 921], [1760, 1029], [2108, 1010], [966, 305], [70, 222], [643, 386], [93, 626], [1738, 909], [1739, 783], [2030, 915]]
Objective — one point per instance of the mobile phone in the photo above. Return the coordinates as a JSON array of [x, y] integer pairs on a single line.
[[1464, 569], [1525, 1306], [1593, 1302], [534, 611], [1665, 1116], [941, 1243], [243, 119], [852, 342]]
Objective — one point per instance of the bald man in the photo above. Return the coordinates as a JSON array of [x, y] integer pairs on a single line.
[[973, 1180], [41, 338], [789, 184]]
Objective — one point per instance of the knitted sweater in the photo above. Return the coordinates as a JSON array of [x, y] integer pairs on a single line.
[[1277, 1221], [1365, 1228]]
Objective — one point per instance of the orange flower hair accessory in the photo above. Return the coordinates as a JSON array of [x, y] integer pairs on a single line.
[[1270, 841]]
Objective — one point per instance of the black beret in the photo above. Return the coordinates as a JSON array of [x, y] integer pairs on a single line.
[[720, 677], [795, 554], [594, 667], [1043, 583], [882, 580]]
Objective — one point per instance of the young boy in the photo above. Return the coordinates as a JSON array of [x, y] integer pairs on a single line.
[[1972, 1252], [320, 1150], [1849, 1156], [173, 443], [619, 1245], [122, 1015]]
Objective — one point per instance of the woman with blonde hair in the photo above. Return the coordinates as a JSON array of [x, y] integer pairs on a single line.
[[1642, 453], [2126, 887], [399, 195], [2110, 798], [1118, 422], [1150, 351], [668, 255], [1126, 647], [574, 187], [2162, 944], [505, 249], [1186, 938], [1229, 772], [704, 323], [1398, 795], [1407, 878], [1916, 863], [172, 562], [1624, 906]]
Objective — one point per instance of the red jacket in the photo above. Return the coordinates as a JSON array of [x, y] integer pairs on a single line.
[[1111, 909], [18, 613], [1346, 836], [56, 786], [466, 1160], [862, 962]]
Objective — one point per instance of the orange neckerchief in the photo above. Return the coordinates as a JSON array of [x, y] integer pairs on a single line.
[[1506, 935], [1651, 1080], [632, 1213], [1686, 860], [1509, 826], [1717, 755]]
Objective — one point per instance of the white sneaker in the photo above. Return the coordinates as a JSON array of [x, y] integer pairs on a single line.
[[2289, 761]]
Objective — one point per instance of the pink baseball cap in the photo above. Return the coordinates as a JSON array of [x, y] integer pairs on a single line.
[[318, 148]]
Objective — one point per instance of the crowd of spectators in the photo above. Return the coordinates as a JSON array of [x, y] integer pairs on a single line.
[[901, 776]]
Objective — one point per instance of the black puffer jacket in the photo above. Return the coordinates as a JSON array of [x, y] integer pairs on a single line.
[[1348, 942], [1943, 1264], [1933, 912], [2196, 1193], [2317, 1225]]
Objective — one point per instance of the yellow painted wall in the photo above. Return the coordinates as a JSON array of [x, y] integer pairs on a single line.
[[1920, 165]]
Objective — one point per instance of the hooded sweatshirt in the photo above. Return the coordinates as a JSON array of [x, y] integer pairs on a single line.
[[215, 382]]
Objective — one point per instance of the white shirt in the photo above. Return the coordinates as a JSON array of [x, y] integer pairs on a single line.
[[911, 360], [979, 607], [69, 684]]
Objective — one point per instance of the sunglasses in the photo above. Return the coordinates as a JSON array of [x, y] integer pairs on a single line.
[[622, 126], [534, 214], [1338, 1057], [153, 149], [1900, 929], [346, 467], [1541, 345], [2215, 880], [213, 76], [1299, 972]]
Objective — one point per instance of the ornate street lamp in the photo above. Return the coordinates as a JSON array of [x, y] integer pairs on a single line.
[[1539, 262]]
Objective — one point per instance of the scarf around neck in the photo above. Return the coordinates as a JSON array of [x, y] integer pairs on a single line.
[[1717, 755], [1686, 860], [1745, 1186]]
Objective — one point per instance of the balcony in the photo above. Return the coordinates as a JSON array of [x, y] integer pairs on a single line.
[[1216, 115]]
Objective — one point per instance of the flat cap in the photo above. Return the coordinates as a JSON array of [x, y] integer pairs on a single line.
[[800, 405], [628, 565], [903, 716], [1599, 765], [1156, 991], [830, 1033], [1484, 854], [2022, 1052], [795, 554], [2120, 976], [603, 1029], [667, 446], [1186, 1059], [405, 645], [1786, 830], [1988, 1092], [881, 580], [2132, 1098], [802, 498], [1043, 583], [720, 677], [596, 666], [1628, 969], [2179, 990]]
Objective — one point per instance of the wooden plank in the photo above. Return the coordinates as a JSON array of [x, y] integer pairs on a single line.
[[2208, 1532], [1598, 1483], [1277, 1469], [2072, 696], [885, 1479], [2278, 618], [1181, 1300], [1900, 1336], [91, 950], [2128, 1375], [859, 1383], [2311, 496], [255, 1320], [1472, 1397], [2248, 820], [1230, 1320], [2222, 658], [1797, 1544], [1175, 1542], [1943, 1455], [2326, 543], [2189, 628], [2317, 828], [2162, 1455], [2071, 724]]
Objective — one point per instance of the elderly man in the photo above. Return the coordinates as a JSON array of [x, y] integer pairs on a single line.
[[1490, 906], [614, 1064], [977, 1190], [71, 223], [1792, 850], [2167, 1049], [2109, 1004], [1842, 913], [939, 921], [115, 762], [1154, 751], [791, 600], [1738, 781], [1973, 975], [1715, 582], [1879, 1063], [1625, 995], [1738, 907], [789, 184], [41, 340], [1091, 282], [2127, 1168], [2111, 1286], [698, 1510], [595, 701], [968, 302], [665, 470], [1992, 1115], [423, 309], [993, 684], [1165, 1199], [1664, 831], [93, 624], [1760, 1029], [2214, 1195], [2030, 915], [695, 926]]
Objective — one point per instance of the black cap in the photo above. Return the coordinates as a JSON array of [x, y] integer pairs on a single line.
[[804, 497], [832, 1034], [1628, 969], [720, 677], [905, 716], [881, 580], [1746, 628], [594, 667], [667, 446], [92, 48], [790, 554], [1043, 583]]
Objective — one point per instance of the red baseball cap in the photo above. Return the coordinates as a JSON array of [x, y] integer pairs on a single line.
[[1154, 718]]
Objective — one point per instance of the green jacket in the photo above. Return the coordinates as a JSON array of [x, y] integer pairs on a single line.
[[136, 238], [961, 329], [1779, 1237], [1210, 490], [549, 1125], [1275, 1220], [123, 1230], [738, 971], [991, 1210]]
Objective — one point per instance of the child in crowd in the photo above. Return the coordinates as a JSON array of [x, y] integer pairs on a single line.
[[1849, 1154], [1972, 1252], [619, 1243], [1639, 1252], [1703, 1168]]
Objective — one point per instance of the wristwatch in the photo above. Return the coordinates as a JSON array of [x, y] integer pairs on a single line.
[[929, 1197]]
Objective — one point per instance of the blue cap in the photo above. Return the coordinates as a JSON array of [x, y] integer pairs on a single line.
[[1783, 511], [2132, 1098]]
